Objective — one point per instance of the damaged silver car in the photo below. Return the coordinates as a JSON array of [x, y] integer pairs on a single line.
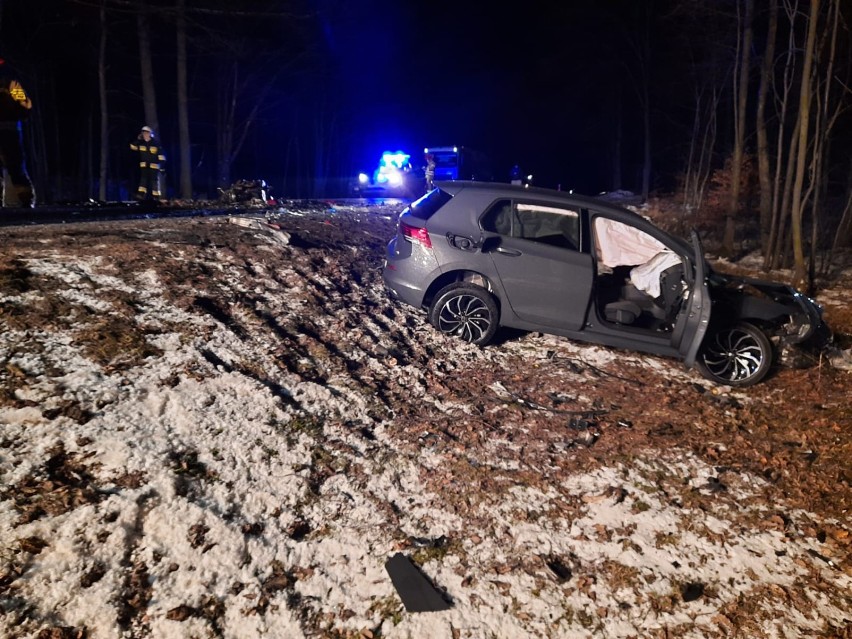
[[477, 256]]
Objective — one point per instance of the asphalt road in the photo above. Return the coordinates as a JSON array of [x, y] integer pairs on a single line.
[[99, 212]]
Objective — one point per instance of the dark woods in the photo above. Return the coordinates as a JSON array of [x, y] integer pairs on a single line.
[[735, 113]]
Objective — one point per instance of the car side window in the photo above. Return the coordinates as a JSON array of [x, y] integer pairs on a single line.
[[498, 219], [552, 225], [545, 224]]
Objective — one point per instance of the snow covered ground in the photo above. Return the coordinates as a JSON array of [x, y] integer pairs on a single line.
[[225, 430]]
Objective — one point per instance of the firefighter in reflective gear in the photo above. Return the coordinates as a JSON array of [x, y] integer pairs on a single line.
[[152, 163], [15, 106], [429, 171]]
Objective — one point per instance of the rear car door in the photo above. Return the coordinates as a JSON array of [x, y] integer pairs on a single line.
[[534, 249]]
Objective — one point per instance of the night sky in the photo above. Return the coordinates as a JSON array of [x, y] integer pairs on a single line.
[[545, 84], [527, 86]]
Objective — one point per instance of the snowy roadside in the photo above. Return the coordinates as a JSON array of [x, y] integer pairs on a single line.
[[262, 431]]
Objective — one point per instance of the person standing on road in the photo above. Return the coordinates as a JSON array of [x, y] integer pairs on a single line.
[[430, 171], [15, 106], [152, 163]]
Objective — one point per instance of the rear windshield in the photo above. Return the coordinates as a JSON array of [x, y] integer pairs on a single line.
[[428, 205]]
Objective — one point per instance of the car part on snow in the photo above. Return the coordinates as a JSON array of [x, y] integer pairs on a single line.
[[246, 191], [558, 567], [692, 591], [416, 591]]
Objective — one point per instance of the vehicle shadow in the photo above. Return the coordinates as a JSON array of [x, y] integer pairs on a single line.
[[506, 334]]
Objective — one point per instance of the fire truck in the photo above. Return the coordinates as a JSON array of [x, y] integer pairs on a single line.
[[460, 163]]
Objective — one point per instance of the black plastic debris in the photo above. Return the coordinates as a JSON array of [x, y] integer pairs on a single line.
[[428, 542], [715, 485], [245, 191], [414, 588], [578, 423], [557, 567], [692, 591], [821, 557]]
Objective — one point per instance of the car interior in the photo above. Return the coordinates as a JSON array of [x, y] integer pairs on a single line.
[[639, 281]]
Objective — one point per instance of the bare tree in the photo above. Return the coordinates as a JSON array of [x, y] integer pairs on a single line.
[[740, 102], [799, 271], [827, 112], [104, 106], [183, 104], [149, 93], [701, 144], [763, 159], [231, 128], [644, 93], [843, 236], [784, 141], [618, 136], [637, 66]]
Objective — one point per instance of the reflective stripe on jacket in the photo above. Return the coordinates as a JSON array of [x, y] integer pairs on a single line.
[[150, 155]]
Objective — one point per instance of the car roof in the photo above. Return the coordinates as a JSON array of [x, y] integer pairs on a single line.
[[503, 189]]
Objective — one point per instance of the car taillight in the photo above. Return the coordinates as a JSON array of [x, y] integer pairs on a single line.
[[415, 234]]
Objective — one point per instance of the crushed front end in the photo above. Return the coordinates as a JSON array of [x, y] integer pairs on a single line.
[[793, 321]]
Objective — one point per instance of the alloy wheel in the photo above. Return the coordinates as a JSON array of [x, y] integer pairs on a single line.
[[740, 355]]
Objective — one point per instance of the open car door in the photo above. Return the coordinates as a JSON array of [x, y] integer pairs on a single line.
[[695, 315]]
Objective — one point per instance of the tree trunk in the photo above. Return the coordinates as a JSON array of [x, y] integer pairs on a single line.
[[616, 151], [639, 39], [183, 105], [646, 123], [231, 134], [784, 149], [786, 199], [701, 145], [102, 91], [225, 115], [741, 96], [149, 95], [827, 114], [763, 168], [799, 270], [646, 106], [843, 237]]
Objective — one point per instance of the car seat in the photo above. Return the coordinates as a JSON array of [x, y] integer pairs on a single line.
[[631, 303]]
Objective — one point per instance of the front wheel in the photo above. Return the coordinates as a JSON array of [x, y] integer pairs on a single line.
[[466, 311], [739, 355]]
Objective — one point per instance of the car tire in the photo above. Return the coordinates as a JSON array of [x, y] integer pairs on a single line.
[[738, 355], [466, 311]]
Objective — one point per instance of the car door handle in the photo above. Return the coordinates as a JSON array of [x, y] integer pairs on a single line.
[[507, 251]]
